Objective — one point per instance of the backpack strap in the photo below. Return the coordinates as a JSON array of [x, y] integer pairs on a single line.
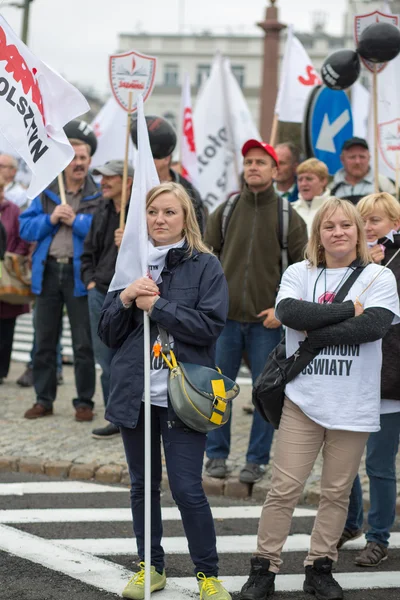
[[226, 217], [284, 210]]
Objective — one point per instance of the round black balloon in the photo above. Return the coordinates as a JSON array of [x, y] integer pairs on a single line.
[[379, 42], [162, 136], [80, 130], [341, 69]]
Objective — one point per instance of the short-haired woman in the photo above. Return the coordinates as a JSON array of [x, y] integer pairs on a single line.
[[381, 215], [333, 404], [312, 179], [188, 296]]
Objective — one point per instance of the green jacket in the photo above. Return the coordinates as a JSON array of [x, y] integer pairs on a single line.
[[251, 251]]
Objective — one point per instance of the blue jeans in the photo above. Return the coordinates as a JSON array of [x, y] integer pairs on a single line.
[[103, 355], [258, 342], [184, 451], [382, 448]]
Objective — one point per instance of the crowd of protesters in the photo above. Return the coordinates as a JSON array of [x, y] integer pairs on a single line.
[[287, 241]]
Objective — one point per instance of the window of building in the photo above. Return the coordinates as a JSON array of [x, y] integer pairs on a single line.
[[238, 71], [203, 71], [171, 74]]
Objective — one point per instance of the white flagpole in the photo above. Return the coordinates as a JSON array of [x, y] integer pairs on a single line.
[[147, 458]]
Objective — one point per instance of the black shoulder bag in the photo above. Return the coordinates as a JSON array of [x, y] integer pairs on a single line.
[[269, 389]]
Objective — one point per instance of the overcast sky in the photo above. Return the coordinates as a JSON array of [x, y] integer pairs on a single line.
[[75, 37]]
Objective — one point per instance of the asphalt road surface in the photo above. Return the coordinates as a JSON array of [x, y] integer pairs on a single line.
[[65, 539]]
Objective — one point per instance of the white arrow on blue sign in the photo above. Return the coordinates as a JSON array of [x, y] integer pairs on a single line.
[[331, 124]]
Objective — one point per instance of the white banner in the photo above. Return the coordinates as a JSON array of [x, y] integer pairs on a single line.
[[110, 129], [132, 257], [360, 108], [188, 161], [35, 104], [297, 79], [223, 122]]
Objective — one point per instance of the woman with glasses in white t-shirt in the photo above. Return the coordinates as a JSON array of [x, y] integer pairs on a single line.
[[334, 403]]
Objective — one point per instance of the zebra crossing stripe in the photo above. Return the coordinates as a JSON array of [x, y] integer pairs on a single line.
[[90, 515], [56, 487], [111, 577], [226, 544]]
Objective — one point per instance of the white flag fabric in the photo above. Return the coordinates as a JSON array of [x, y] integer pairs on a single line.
[[360, 107], [132, 257], [35, 104], [222, 122], [297, 79], [110, 129], [189, 164]]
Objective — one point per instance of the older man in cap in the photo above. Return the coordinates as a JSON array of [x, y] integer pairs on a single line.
[[356, 179], [98, 264], [250, 241]]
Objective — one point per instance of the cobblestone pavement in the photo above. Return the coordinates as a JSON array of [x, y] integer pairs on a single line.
[[60, 446]]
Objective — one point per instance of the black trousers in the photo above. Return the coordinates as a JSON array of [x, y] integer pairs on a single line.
[[7, 327], [57, 291]]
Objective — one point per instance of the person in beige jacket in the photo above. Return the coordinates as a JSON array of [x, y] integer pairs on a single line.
[[312, 179]]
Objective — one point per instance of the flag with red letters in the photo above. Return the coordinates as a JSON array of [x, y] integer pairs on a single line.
[[298, 77], [189, 164], [35, 104]]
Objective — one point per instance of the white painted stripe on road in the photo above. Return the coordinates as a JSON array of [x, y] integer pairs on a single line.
[[90, 515], [294, 583], [226, 544], [112, 577], [56, 487], [88, 569], [243, 380]]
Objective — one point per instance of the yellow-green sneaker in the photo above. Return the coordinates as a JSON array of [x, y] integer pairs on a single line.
[[210, 587], [134, 589]]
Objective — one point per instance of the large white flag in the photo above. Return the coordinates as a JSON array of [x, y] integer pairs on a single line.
[[223, 122], [189, 164], [297, 79], [35, 104], [110, 129], [360, 107], [132, 256]]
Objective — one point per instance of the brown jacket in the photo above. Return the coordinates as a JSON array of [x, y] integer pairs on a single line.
[[251, 251]]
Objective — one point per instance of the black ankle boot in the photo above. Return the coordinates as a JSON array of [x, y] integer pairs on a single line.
[[261, 581], [319, 581]]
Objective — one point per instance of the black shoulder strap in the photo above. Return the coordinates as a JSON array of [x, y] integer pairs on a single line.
[[348, 284], [335, 188], [226, 217], [284, 214]]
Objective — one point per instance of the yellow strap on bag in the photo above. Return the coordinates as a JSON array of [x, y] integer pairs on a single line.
[[220, 405]]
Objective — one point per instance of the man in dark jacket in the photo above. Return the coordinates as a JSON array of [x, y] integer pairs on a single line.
[[59, 230], [251, 254], [98, 265]]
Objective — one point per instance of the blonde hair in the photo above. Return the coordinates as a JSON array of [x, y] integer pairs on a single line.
[[381, 200], [315, 166], [315, 252], [192, 231]]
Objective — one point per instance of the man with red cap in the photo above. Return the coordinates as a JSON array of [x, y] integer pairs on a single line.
[[246, 233]]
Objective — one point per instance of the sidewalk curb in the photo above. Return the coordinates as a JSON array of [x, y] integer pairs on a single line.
[[118, 474]]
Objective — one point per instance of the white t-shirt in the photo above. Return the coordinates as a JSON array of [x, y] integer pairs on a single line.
[[340, 388]]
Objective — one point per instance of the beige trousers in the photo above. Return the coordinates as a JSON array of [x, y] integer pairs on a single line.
[[298, 443]]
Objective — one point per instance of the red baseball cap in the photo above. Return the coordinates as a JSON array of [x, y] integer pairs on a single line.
[[266, 147]]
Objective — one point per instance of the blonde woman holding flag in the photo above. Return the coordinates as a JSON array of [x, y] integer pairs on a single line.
[[187, 295]]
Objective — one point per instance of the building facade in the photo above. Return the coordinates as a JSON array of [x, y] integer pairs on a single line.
[[178, 54]]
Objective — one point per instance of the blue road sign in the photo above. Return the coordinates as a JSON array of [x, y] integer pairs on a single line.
[[331, 124]]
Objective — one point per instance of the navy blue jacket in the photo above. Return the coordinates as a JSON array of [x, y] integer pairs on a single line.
[[35, 226], [193, 307]]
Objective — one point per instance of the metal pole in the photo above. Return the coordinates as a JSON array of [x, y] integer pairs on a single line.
[[147, 458], [25, 21]]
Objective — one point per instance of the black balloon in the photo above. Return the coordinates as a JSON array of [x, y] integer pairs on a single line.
[[379, 42], [341, 69], [162, 136], [80, 130]]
